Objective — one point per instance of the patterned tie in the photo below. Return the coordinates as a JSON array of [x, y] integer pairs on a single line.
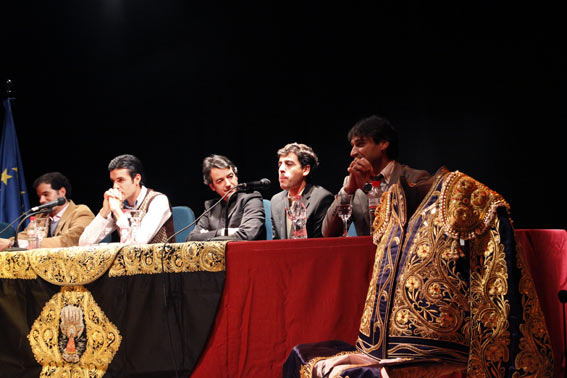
[[366, 188]]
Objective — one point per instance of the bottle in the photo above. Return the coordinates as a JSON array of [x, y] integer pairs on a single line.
[[298, 217], [373, 201], [32, 233]]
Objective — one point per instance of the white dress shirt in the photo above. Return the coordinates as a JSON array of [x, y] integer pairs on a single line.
[[157, 214]]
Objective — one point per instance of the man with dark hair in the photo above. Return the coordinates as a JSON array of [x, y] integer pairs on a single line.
[[66, 222], [129, 193], [374, 150], [295, 163], [238, 216]]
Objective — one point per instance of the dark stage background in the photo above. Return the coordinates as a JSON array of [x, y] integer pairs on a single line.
[[475, 86]]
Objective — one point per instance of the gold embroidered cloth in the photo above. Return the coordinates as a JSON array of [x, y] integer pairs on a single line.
[[448, 284], [82, 265], [108, 310]]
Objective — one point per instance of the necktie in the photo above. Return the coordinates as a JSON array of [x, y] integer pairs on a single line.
[[366, 188]]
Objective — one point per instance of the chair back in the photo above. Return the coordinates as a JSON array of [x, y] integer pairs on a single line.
[[8, 232], [268, 219], [182, 216]]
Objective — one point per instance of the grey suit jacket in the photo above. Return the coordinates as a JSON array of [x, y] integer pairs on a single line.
[[317, 200], [333, 225], [246, 211]]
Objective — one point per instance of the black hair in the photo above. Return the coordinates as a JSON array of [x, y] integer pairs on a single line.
[[379, 128], [56, 180]]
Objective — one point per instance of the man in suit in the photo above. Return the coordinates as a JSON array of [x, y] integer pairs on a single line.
[[374, 150], [66, 222], [238, 216], [295, 163]]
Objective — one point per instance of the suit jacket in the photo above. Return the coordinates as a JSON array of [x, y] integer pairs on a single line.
[[333, 225], [317, 200], [245, 211], [69, 229]]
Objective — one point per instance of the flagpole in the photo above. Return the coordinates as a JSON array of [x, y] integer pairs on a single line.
[[7, 90]]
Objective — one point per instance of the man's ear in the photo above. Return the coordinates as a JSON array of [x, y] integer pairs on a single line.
[[384, 144], [63, 192], [212, 187], [137, 179], [306, 170]]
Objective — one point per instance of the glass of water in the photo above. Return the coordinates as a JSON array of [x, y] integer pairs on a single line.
[[344, 209]]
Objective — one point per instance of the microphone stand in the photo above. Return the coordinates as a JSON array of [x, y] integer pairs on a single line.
[[165, 289], [563, 299], [199, 217], [15, 246], [227, 211]]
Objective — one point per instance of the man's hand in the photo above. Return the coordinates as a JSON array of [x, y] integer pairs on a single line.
[[360, 172], [113, 199], [232, 230], [5, 243]]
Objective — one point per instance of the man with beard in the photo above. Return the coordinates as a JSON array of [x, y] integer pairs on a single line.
[[374, 150]]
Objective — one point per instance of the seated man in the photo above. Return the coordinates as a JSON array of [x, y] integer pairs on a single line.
[[129, 192], [239, 215], [66, 222], [296, 161], [374, 150]]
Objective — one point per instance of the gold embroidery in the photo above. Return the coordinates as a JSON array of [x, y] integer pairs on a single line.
[[431, 296], [535, 357], [490, 336], [72, 337], [468, 207], [16, 265], [73, 266], [382, 217], [170, 258], [384, 270]]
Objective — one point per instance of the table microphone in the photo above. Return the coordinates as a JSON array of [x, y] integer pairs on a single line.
[[254, 185], [58, 202]]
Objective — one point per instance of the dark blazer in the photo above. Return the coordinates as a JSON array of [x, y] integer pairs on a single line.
[[316, 198], [246, 211], [333, 225]]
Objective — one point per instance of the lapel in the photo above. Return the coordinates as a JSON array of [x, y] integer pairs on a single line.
[[279, 211], [65, 218], [234, 204], [396, 174]]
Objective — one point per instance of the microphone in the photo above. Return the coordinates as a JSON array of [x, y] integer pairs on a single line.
[[58, 202], [254, 185]]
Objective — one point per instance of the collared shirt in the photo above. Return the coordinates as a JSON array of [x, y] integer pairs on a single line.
[[54, 220], [157, 214], [387, 175]]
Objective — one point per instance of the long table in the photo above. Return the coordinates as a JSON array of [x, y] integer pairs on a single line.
[[277, 294], [281, 293]]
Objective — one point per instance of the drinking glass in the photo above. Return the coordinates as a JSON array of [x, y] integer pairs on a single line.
[[134, 222], [297, 213], [36, 232], [344, 209]]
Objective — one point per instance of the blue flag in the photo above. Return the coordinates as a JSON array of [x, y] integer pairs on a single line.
[[13, 193]]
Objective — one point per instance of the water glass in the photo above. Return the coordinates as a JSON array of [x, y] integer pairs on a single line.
[[128, 235], [36, 231], [344, 209]]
